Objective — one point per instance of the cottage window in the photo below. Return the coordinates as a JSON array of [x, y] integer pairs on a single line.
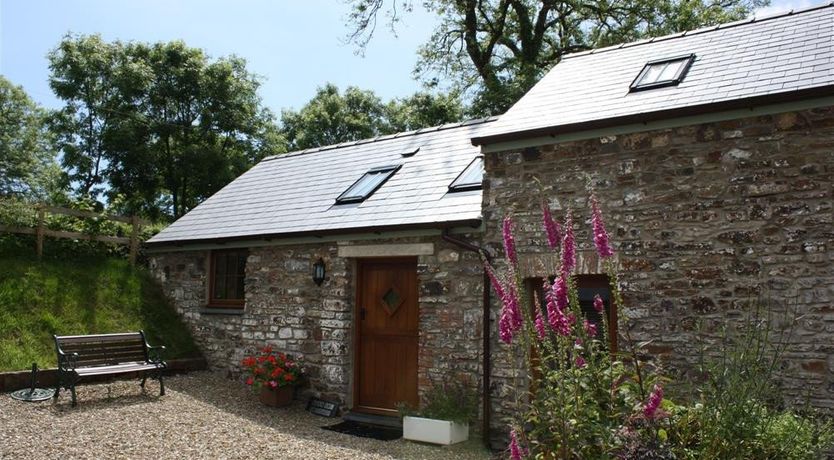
[[226, 278], [367, 185], [587, 286], [471, 178], [663, 72]]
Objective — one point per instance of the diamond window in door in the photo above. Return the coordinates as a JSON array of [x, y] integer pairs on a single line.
[[392, 300]]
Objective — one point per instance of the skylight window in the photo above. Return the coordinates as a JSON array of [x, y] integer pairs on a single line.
[[663, 72], [471, 178], [367, 185]]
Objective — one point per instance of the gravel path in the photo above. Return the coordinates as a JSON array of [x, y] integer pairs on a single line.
[[203, 415]]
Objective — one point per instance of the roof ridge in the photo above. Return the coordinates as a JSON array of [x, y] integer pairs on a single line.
[[687, 33], [385, 137]]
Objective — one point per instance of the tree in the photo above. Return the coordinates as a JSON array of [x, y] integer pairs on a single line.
[[200, 126], [496, 50], [422, 110], [331, 117], [156, 128], [27, 157], [83, 74]]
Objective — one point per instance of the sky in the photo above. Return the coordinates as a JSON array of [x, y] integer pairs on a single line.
[[295, 46]]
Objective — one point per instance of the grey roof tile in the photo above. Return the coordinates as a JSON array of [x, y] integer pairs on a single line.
[[749, 58], [296, 192]]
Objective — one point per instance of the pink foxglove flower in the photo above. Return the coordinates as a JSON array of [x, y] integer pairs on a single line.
[[568, 246], [515, 450], [590, 328], [599, 306], [493, 279], [600, 235], [511, 319], [579, 362], [557, 303], [505, 327], [653, 403], [509, 241], [513, 307], [541, 331], [551, 227]]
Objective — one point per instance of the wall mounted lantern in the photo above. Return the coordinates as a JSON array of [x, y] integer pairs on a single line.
[[318, 272]]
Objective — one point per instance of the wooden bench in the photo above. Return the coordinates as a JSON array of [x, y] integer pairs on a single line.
[[82, 356]]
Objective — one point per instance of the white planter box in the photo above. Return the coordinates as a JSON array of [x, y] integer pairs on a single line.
[[434, 431]]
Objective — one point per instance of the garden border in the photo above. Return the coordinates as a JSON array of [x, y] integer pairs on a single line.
[[47, 378]]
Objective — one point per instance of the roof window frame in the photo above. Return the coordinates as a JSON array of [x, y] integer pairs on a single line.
[[390, 170], [470, 186], [679, 76]]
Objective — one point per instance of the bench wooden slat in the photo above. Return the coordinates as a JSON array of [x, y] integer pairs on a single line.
[[99, 360], [115, 347], [119, 369], [130, 336]]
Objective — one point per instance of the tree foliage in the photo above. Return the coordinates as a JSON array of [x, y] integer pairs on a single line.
[[27, 155], [331, 116], [156, 128], [495, 50]]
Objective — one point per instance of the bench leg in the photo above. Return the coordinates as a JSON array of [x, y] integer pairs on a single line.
[[161, 384], [72, 391], [144, 377]]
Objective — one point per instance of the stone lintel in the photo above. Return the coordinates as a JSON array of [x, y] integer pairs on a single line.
[[386, 250]]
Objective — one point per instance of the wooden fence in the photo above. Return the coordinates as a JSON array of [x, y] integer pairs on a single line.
[[40, 231]]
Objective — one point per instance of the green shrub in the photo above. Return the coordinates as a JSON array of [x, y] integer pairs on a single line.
[[454, 401]]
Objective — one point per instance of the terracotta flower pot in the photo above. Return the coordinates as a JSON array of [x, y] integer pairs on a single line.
[[278, 397]]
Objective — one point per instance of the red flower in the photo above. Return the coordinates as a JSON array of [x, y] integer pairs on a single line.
[[250, 381], [289, 377]]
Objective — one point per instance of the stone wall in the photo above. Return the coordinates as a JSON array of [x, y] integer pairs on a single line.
[[286, 309], [705, 218]]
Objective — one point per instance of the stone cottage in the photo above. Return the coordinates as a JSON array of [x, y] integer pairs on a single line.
[[712, 154], [356, 257]]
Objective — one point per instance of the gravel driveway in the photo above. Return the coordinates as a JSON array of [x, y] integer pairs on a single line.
[[203, 415]]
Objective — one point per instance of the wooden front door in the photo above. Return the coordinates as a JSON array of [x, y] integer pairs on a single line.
[[386, 335]]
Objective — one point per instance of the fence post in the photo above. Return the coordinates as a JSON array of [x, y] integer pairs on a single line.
[[134, 239], [39, 232]]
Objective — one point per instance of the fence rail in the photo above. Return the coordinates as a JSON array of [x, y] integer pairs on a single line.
[[40, 231]]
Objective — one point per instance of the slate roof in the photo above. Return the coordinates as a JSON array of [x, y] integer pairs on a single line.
[[769, 58], [294, 194]]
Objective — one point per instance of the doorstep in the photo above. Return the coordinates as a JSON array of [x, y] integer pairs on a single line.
[[373, 419]]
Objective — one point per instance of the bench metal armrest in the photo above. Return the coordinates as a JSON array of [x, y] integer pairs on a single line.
[[155, 355], [67, 362]]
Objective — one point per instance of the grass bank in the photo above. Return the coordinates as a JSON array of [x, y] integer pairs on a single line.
[[79, 295]]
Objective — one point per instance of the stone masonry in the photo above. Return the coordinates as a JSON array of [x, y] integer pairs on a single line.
[[705, 218], [284, 308]]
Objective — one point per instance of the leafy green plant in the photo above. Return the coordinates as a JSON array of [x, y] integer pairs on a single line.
[[739, 410], [453, 401]]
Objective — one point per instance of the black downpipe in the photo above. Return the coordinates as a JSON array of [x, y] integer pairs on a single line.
[[487, 328]]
